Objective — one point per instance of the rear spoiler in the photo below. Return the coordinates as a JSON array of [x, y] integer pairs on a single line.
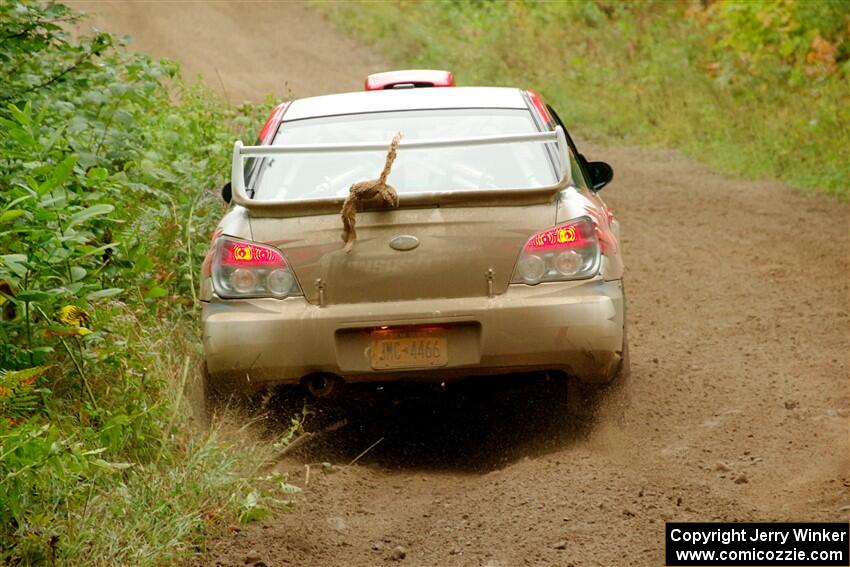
[[333, 204]]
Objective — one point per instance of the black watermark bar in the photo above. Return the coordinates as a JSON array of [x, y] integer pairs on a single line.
[[759, 544]]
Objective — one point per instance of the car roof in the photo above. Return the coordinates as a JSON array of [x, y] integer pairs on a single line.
[[405, 99]]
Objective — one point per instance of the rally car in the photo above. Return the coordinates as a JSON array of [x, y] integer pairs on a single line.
[[496, 256]]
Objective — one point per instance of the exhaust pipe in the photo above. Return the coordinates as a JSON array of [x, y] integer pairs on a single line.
[[323, 385]]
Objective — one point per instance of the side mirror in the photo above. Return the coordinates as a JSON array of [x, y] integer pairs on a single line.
[[600, 173], [227, 192]]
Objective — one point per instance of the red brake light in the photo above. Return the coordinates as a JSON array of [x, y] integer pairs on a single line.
[[410, 77], [243, 269], [566, 252], [540, 107], [234, 253], [564, 236]]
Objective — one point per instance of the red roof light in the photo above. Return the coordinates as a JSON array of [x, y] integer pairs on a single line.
[[410, 78]]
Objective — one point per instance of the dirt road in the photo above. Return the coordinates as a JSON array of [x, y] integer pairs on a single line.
[[737, 405], [245, 50]]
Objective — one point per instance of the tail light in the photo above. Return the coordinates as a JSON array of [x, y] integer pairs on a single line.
[[246, 269], [269, 130], [566, 252], [540, 107]]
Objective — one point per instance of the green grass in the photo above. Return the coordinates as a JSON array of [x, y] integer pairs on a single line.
[[729, 85], [109, 168], [87, 508], [144, 486]]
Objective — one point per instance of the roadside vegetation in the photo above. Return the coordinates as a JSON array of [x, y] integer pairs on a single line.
[[758, 89], [108, 164]]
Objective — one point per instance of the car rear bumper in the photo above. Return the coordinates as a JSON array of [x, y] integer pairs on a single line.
[[574, 327]]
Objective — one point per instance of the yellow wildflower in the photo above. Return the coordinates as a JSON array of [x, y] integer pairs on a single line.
[[73, 315]]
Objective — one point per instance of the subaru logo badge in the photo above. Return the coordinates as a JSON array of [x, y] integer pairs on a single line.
[[404, 242]]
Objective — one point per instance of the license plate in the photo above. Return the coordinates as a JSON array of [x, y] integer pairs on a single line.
[[392, 350]]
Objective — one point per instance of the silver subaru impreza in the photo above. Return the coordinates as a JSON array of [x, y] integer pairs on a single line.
[[481, 244]]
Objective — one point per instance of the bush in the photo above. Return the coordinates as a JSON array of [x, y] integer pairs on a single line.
[[756, 88], [107, 161]]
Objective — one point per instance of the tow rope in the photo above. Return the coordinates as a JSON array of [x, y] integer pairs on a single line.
[[375, 190]]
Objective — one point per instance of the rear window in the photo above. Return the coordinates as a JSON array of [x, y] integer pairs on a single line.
[[322, 175]]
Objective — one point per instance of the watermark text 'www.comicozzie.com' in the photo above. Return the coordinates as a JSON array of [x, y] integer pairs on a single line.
[[745, 544]]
